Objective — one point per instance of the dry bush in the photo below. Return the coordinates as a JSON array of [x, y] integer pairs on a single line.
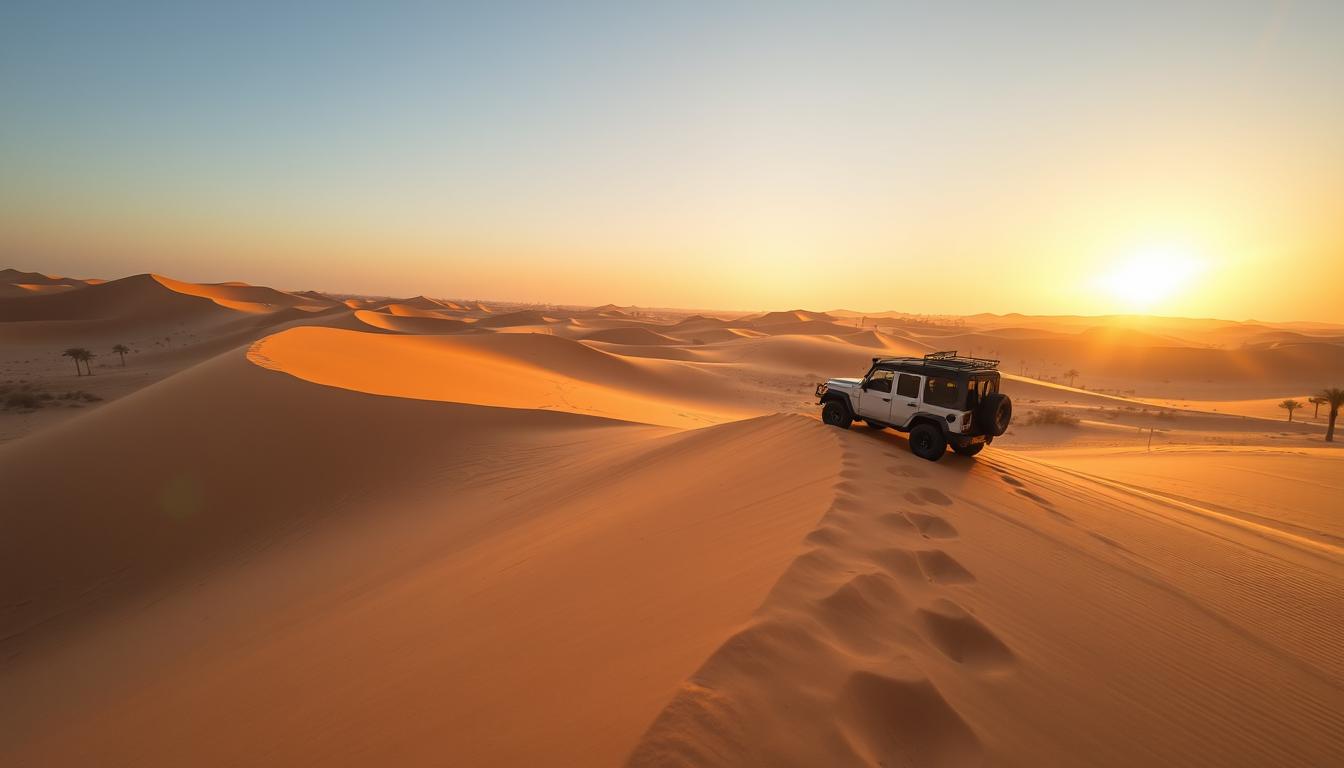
[[23, 400], [1050, 417]]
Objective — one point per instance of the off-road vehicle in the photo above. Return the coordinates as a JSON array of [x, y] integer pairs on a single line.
[[941, 399]]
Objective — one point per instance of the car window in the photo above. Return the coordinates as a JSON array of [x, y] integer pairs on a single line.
[[880, 381], [941, 392], [979, 389], [908, 386]]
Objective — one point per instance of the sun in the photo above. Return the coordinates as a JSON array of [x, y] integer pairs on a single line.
[[1150, 277]]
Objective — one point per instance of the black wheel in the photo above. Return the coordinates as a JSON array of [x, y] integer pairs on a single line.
[[927, 442], [968, 450], [836, 414], [874, 424]]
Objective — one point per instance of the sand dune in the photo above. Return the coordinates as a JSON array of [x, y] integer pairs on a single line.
[[711, 335], [138, 297], [796, 322], [419, 532], [152, 298], [18, 284], [636, 336], [812, 354], [568, 602], [533, 371], [21, 290], [786, 318], [512, 319], [241, 296], [411, 323]]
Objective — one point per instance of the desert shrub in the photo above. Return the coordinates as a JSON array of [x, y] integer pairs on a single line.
[[1167, 415], [22, 400], [79, 394], [1050, 417]]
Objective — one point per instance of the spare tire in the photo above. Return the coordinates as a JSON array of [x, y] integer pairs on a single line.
[[994, 414]]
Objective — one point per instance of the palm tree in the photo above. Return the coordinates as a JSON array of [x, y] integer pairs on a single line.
[[1317, 401], [1334, 397], [1290, 406], [121, 349], [74, 354], [1072, 374], [85, 355]]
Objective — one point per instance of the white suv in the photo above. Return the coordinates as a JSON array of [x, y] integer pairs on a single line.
[[941, 399]]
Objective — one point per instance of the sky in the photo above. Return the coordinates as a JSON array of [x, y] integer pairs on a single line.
[[1046, 158]]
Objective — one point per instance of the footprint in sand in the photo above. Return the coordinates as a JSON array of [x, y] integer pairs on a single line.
[[962, 638], [941, 568], [899, 562], [919, 566], [932, 526], [898, 522], [904, 720], [865, 614]]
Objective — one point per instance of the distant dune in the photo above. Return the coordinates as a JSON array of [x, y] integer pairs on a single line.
[[411, 323], [631, 336], [511, 319]]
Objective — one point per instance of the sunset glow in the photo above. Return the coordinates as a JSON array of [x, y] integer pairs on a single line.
[[744, 157], [1150, 278]]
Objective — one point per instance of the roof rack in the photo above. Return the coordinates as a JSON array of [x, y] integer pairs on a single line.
[[947, 359], [963, 361]]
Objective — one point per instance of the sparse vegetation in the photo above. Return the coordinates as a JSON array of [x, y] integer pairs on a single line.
[[121, 349], [30, 397], [1316, 401], [1072, 374], [26, 400], [1050, 417], [1334, 397], [1290, 406], [75, 353]]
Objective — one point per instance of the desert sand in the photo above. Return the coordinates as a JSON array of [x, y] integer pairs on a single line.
[[300, 529]]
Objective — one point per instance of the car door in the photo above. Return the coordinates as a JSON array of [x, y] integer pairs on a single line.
[[943, 396], [875, 396], [905, 401]]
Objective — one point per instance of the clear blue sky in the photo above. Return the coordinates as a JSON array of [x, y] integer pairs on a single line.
[[724, 154]]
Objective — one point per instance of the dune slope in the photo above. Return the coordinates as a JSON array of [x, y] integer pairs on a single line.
[[307, 574], [506, 370]]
